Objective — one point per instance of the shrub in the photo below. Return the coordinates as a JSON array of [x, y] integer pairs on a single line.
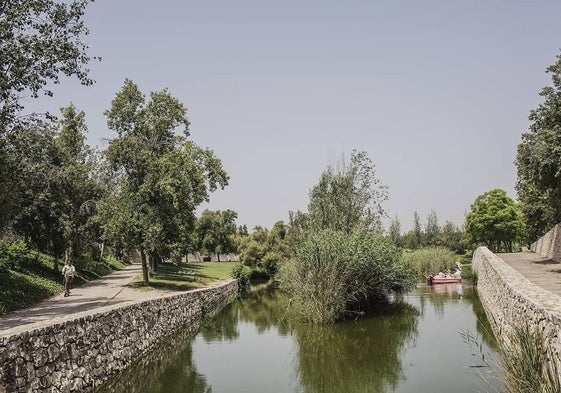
[[241, 273], [13, 254], [336, 274], [431, 260]]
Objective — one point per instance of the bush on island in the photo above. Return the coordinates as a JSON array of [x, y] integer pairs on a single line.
[[336, 274]]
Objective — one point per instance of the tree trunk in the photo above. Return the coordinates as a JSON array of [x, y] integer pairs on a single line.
[[156, 262], [102, 248], [145, 277], [218, 256], [151, 261]]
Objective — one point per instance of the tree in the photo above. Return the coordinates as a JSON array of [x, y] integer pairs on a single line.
[[394, 231], [432, 229], [348, 197], [216, 231], [163, 177], [538, 161], [81, 190], [342, 264], [40, 40], [53, 188], [417, 231], [495, 220], [453, 237]]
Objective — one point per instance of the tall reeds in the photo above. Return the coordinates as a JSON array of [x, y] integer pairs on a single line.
[[336, 274], [525, 363], [431, 260]]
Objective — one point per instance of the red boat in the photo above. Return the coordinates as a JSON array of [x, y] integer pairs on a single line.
[[443, 278]]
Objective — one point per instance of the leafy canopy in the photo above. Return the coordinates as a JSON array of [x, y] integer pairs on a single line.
[[163, 177], [495, 220], [40, 40], [538, 161]]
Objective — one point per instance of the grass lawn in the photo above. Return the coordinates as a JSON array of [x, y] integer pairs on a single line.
[[186, 276]]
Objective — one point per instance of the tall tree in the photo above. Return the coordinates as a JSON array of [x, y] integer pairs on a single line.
[[40, 40], [163, 177], [348, 196], [216, 231], [54, 192], [538, 161], [453, 237], [394, 231], [80, 189], [495, 220], [432, 229], [417, 230]]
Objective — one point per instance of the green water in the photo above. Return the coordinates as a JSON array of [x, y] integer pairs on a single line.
[[255, 346]]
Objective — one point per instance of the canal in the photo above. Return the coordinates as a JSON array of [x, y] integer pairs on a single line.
[[254, 345]]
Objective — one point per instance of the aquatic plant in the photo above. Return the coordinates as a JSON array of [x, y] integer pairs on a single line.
[[431, 260], [525, 363], [336, 274]]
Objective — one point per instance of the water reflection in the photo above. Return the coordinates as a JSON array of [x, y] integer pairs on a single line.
[[255, 345], [359, 356], [168, 368]]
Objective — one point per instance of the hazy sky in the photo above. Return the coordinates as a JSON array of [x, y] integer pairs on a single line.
[[437, 92]]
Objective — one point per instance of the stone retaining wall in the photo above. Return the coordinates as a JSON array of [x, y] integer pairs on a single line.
[[512, 300], [80, 353], [549, 245]]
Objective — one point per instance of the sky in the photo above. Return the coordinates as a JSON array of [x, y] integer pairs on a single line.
[[437, 92]]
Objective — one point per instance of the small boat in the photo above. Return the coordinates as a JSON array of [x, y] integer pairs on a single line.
[[446, 278], [442, 278]]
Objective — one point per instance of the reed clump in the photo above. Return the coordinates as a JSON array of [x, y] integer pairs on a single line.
[[336, 274], [431, 260], [525, 363]]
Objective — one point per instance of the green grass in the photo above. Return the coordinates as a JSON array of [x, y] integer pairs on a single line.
[[177, 278]]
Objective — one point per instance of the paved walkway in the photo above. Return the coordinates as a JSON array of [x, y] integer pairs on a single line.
[[541, 271], [95, 295]]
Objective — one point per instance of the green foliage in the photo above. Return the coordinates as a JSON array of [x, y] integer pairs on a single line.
[[453, 238], [538, 161], [345, 197], [242, 274], [432, 230], [394, 232], [53, 187], [13, 254], [40, 41], [336, 274], [264, 251], [216, 231], [417, 231], [431, 260], [495, 220], [525, 363], [162, 176], [342, 265], [27, 276]]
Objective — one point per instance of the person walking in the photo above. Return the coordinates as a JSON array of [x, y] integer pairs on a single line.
[[68, 273]]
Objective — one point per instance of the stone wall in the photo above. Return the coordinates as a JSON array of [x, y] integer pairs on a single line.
[[79, 353], [549, 245], [511, 300]]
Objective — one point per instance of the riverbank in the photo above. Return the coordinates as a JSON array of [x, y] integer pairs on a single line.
[[512, 300], [78, 351]]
